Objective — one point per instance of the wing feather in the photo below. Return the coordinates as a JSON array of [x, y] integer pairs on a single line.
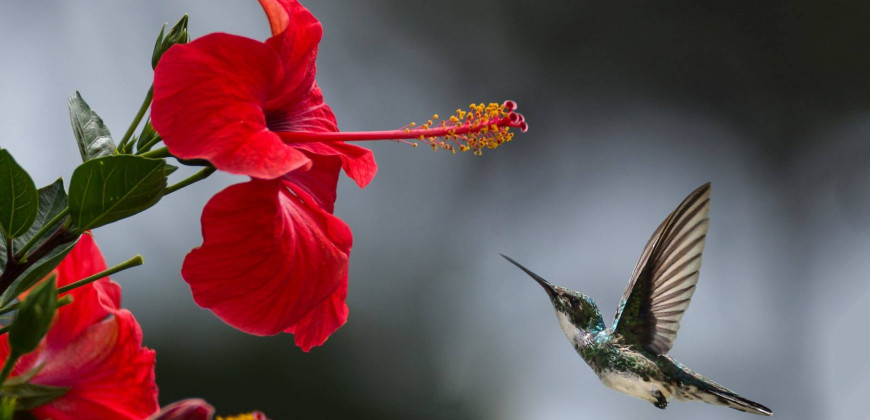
[[664, 278]]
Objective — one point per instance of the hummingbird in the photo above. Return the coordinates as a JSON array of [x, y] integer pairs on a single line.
[[632, 356]]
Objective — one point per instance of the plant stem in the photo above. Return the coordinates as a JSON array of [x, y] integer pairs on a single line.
[[157, 153], [63, 301], [132, 262], [199, 176], [14, 268], [122, 146], [21, 254], [10, 363], [147, 146]]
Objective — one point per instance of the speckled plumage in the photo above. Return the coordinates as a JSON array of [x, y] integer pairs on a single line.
[[631, 357]]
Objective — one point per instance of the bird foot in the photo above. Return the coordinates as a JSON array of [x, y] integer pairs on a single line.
[[661, 401]]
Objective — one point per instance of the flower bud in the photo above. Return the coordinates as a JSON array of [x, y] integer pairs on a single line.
[[177, 35], [34, 317]]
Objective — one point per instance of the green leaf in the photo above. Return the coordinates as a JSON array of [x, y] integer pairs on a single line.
[[19, 201], [7, 407], [34, 317], [111, 188], [52, 200], [147, 139], [29, 396], [38, 270], [169, 169], [91, 133]]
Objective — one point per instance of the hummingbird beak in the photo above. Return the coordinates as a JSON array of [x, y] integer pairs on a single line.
[[545, 284]]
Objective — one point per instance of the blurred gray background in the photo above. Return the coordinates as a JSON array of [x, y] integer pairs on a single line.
[[631, 106]]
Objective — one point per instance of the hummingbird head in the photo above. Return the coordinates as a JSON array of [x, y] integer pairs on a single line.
[[578, 315]]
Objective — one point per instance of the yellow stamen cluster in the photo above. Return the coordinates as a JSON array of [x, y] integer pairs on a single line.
[[249, 416], [477, 128]]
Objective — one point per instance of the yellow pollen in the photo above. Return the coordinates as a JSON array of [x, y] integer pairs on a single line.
[[481, 126], [247, 416]]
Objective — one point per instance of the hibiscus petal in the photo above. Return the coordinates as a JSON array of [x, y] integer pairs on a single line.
[[268, 258], [312, 114], [321, 322], [358, 162], [208, 104], [295, 42], [108, 372], [94, 349], [91, 303], [279, 13], [319, 181]]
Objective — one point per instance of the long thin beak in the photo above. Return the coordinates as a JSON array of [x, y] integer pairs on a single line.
[[545, 284]]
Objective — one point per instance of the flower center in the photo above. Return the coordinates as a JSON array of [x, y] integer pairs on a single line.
[[477, 128]]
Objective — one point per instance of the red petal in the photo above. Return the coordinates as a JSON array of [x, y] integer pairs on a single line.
[[320, 323], [109, 373], [209, 97], [267, 257], [93, 348], [312, 114], [91, 303], [357, 162], [296, 44], [279, 13], [319, 181]]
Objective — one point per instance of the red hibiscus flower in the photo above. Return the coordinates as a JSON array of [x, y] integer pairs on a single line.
[[94, 350], [274, 259]]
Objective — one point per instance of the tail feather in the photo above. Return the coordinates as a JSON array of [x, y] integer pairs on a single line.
[[737, 402], [699, 388]]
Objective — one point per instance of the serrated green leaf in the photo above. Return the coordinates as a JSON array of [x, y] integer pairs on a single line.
[[19, 200], [91, 133], [111, 188], [52, 200]]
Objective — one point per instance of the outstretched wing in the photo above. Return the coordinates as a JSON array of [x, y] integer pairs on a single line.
[[665, 276]]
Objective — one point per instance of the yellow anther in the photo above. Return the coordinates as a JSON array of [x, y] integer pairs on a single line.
[[247, 416]]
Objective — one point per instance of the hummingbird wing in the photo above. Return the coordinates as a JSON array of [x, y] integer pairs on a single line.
[[665, 276]]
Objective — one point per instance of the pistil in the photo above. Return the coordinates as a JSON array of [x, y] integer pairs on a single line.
[[480, 127]]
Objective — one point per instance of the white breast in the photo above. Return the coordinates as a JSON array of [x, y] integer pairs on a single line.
[[633, 385], [575, 335]]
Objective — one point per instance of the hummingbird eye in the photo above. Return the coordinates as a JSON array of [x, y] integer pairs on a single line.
[[574, 301]]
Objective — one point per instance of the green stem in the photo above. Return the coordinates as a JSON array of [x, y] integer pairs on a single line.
[[42, 231], [147, 146], [10, 363], [199, 176], [122, 146], [132, 262], [63, 301], [157, 153]]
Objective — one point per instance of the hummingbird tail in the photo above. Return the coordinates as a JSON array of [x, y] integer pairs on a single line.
[[718, 395], [699, 388]]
